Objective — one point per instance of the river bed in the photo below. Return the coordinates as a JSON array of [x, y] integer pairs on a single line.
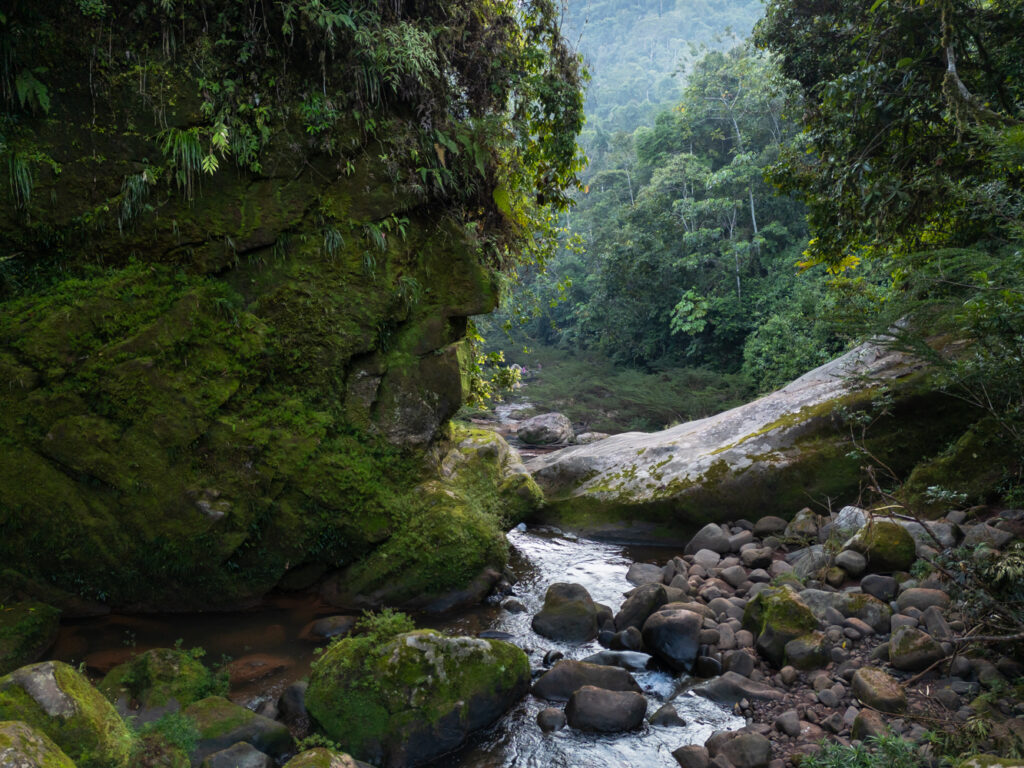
[[266, 643]]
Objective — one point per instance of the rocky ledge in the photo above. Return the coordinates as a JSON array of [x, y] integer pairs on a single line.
[[769, 454]]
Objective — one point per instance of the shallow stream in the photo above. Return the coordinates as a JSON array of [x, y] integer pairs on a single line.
[[266, 644]]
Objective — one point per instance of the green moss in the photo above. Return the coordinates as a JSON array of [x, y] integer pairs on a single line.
[[990, 761], [775, 617], [26, 630], [159, 676], [85, 725], [886, 545], [367, 698], [18, 740], [215, 716], [320, 758]]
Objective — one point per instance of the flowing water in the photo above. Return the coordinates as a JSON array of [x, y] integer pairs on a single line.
[[269, 654]]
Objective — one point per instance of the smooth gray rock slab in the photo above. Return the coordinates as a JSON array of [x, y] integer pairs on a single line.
[[712, 537], [852, 562], [644, 573], [882, 587], [632, 661]]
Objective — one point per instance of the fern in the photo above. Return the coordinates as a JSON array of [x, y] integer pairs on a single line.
[[134, 193], [185, 153], [20, 174]]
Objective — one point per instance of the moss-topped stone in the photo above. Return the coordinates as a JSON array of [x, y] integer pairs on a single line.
[[776, 616], [159, 681], [325, 758], [451, 545], [56, 699], [886, 545], [27, 630], [222, 723], [405, 700], [990, 761], [22, 746], [878, 690]]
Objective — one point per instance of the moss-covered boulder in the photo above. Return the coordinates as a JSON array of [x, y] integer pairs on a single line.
[[22, 746], [57, 700], [406, 700], [912, 650], [222, 723], [27, 630], [878, 690], [990, 761], [807, 652], [453, 535], [776, 616], [886, 545], [324, 758], [159, 681]]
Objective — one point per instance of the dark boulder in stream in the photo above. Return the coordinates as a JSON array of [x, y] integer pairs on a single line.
[[596, 709], [559, 683], [569, 614]]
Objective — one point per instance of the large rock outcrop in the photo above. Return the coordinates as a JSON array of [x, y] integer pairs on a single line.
[[235, 287], [767, 456]]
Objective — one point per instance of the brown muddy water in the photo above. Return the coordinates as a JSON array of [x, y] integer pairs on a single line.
[[266, 653]]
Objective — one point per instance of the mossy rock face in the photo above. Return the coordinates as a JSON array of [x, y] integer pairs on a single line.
[[776, 616], [454, 532], [807, 652], [887, 546], [222, 723], [159, 681], [229, 383], [414, 697], [55, 699], [22, 746], [324, 758], [974, 465], [27, 630]]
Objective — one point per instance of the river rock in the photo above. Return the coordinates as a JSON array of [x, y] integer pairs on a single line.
[[730, 687], [222, 723], [666, 716], [325, 758], [644, 573], [54, 698], [880, 587], [983, 533], [809, 563], [558, 683], [712, 537], [912, 650], [757, 557], [745, 749], [546, 429], [691, 756], [769, 525], [291, 704], [868, 724], [590, 437], [22, 746], [27, 630], [551, 719], [159, 681], [852, 562], [598, 709], [569, 614], [673, 637], [638, 606], [628, 660], [807, 652], [922, 599], [428, 691], [804, 526], [239, 755], [879, 690], [775, 616], [868, 609], [886, 545], [847, 522]]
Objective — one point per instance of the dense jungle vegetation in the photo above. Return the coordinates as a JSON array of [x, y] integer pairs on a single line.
[[843, 170]]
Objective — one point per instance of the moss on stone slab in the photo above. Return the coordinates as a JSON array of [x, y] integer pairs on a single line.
[[775, 617], [54, 698], [22, 745], [323, 758], [886, 545]]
